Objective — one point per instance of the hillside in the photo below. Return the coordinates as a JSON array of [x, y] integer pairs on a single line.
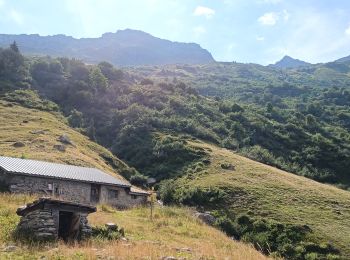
[[39, 131], [22, 124], [190, 238], [123, 48], [258, 190], [288, 62], [152, 117]]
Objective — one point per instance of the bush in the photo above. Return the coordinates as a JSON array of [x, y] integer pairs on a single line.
[[280, 240], [138, 180], [104, 233]]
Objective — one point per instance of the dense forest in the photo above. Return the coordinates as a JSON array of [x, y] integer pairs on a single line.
[[297, 120]]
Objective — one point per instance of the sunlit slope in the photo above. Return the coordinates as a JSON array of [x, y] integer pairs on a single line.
[[173, 232], [263, 191], [39, 132]]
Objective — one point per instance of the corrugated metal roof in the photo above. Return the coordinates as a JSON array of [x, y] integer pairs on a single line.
[[58, 171]]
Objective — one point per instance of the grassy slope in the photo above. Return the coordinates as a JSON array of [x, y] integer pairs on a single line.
[[171, 229], [40, 146], [279, 195], [171, 232]]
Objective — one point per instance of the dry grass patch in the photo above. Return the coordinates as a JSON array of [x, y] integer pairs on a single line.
[[173, 232]]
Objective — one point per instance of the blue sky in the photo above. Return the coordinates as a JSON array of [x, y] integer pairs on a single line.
[[259, 31]]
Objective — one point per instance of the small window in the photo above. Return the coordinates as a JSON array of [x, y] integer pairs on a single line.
[[134, 197], [113, 194], [49, 186]]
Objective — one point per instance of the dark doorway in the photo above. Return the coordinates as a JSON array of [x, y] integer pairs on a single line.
[[95, 193], [68, 228]]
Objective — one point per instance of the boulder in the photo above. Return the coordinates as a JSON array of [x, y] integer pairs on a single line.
[[66, 139], [151, 181], [206, 217], [228, 166], [111, 227], [19, 144]]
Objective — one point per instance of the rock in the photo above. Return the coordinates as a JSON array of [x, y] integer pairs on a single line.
[[65, 139], [206, 161], [206, 217], [169, 258], [10, 248], [111, 227], [19, 144], [60, 147], [151, 181], [37, 132], [184, 249], [25, 121], [228, 166]]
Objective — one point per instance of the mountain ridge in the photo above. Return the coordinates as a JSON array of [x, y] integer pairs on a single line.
[[288, 62], [123, 48]]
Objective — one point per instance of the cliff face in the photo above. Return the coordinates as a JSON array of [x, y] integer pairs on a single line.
[[123, 48]]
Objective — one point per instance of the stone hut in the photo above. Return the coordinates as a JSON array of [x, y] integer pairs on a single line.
[[68, 182], [49, 219]]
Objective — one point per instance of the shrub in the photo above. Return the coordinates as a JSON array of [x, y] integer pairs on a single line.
[[138, 180], [276, 239], [104, 233]]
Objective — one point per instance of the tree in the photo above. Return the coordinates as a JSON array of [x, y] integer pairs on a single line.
[[97, 80], [12, 66], [14, 47], [269, 107]]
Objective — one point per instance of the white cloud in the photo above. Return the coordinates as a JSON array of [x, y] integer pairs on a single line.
[[285, 15], [204, 11], [316, 37], [199, 30], [16, 17], [271, 1], [269, 19], [347, 31], [260, 38], [272, 18]]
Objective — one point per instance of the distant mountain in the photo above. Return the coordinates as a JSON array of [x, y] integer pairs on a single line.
[[124, 48], [288, 62], [344, 59]]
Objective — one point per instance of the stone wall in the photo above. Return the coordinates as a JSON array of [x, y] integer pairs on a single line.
[[3, 181], [85, 228], [37, 225], [71, 190], [123, 198], [62, 189], [43, 224]]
